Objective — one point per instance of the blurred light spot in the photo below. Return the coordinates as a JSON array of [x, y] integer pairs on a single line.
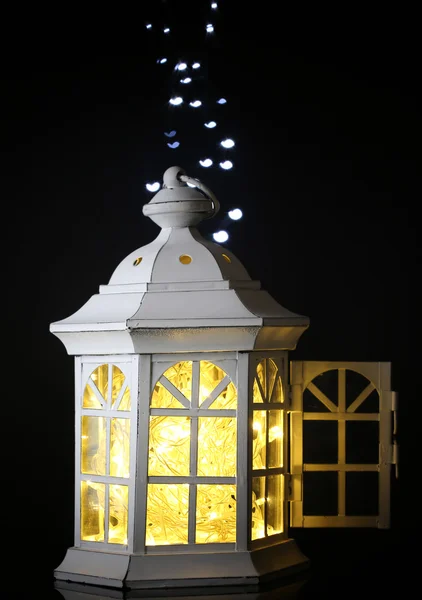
[[170, 133], [214, 5], [186, 80], [191, 184], [227, 164], [210, 124], [235, 214], [207, 162], [166, 30], [149, 26], [153, 187], [176, 101], [220, 236], [221, 101], [181, 66], [227, 143], [196, 65], [195, 103], [173, 145], [162, 60], [210, 28]]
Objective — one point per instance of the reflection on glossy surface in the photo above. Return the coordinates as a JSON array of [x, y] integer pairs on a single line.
[[291, 589]]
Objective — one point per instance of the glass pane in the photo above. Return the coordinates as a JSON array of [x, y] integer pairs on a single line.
[[259, 439], [227, 399], [258, 508], [100, 378], [161, 398], [90, 400], [116, 384], [167, 514], [215, 514], [92, 511], [271, 372], [275, 438], [260, 375], [119, 447], [277, 394], [125, 401], [217, 447], [118, 514], [180, 375], [169, 446], [209, 377], [275, 504], [93, 445]]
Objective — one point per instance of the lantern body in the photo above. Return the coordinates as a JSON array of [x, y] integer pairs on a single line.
[[181, 415]]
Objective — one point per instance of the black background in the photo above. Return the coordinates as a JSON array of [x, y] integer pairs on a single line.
[[325, 109]]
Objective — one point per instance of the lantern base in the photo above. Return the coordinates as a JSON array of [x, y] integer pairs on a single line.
[[166, 571]]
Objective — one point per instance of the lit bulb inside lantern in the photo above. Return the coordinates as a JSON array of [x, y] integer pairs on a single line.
[[153, 187], [235, 214], [195, 103], [220, 236], [176, 101], [257, 426], [227, 143], [227, 164], [275, 433], [205, 163]]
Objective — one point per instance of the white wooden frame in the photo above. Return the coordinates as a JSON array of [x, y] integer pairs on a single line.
[[228, 362], [302, 373], [84, 366], [281, 361]]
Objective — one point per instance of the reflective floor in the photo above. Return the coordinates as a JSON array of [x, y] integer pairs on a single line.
[[343, 564]]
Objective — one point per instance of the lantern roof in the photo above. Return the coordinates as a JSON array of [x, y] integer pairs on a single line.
[[180, 287]]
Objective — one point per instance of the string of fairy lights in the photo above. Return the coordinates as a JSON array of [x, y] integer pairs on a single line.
[[183, 75]]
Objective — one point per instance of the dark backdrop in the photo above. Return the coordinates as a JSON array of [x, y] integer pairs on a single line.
[[326, 115]]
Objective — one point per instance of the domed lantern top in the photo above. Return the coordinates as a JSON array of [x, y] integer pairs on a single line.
[[180, 292]]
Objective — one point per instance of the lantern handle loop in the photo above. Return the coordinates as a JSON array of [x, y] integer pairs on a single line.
[[198, 184]]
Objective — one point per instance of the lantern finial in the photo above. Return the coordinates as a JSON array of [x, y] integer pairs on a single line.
[[183, 201]]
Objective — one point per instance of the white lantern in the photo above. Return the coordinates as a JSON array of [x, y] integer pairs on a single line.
[[182, 410]]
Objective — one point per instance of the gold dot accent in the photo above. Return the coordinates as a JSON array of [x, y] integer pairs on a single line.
[[226, 258], [137, 261], [185, 259]]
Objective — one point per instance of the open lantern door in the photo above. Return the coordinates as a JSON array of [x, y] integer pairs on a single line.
[[342, 425]]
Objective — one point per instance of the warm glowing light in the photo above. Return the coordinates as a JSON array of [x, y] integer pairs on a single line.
[[257, 426], [210, 124], [221, 101], [186, 80], [166, 30], [161, 61], [181, 66], [153, 187], [195, 103], [207, 162], [173, 145], [176, 100], [227, 164], [227, 143], [235, 214], [196, 65], [170, 134], [220, 236], [210, 28]]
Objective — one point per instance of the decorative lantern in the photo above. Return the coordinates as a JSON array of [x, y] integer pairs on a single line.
[[182, 415]]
